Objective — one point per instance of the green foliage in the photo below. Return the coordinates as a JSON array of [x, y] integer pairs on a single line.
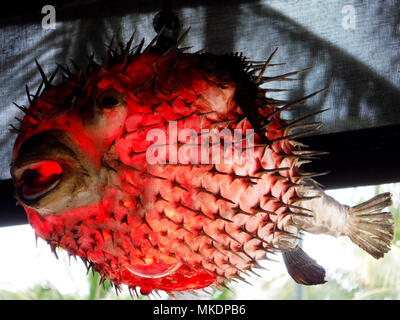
[[224, 294], [97, 291], [38, 292], [332, 290], [103, 291], [48, 292]]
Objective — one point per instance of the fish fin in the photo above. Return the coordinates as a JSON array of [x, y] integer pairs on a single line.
[[302, 268], [369, 227]]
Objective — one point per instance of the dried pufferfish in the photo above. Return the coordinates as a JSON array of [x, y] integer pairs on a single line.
[[187, 219]]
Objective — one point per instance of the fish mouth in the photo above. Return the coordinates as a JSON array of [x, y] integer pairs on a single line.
[[154, 270], [43, 162], [35, 180]]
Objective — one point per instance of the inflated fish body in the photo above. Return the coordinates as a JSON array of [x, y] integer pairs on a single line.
[[170, 170]]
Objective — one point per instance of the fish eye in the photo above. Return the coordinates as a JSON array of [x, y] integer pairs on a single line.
[[110, 99]]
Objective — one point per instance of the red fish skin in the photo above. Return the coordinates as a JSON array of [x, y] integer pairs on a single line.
[[208, 222]]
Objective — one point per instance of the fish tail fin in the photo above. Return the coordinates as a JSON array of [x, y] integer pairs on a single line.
[[369, 227]]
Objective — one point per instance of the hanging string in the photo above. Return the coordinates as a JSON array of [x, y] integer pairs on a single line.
[[168, 19]]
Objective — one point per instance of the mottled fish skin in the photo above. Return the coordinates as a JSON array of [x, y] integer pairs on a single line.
[[170, 226], [327, 216]]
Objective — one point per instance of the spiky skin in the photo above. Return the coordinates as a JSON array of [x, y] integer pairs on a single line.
[[208, 223]]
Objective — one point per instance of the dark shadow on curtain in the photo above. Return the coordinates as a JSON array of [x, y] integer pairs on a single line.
[[361, 82]]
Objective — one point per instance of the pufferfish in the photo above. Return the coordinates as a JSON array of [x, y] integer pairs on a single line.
[[104, 171]]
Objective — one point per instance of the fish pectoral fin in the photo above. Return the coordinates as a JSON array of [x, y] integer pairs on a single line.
[[302, 268]]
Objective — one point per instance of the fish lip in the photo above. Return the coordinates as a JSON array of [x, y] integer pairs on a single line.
[[164, 273], [18, 179], [48, 145]]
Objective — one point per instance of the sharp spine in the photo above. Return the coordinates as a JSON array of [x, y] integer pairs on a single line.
[[30, 125], [258, 80], [283, 77], [295, 102], [47, 84]]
